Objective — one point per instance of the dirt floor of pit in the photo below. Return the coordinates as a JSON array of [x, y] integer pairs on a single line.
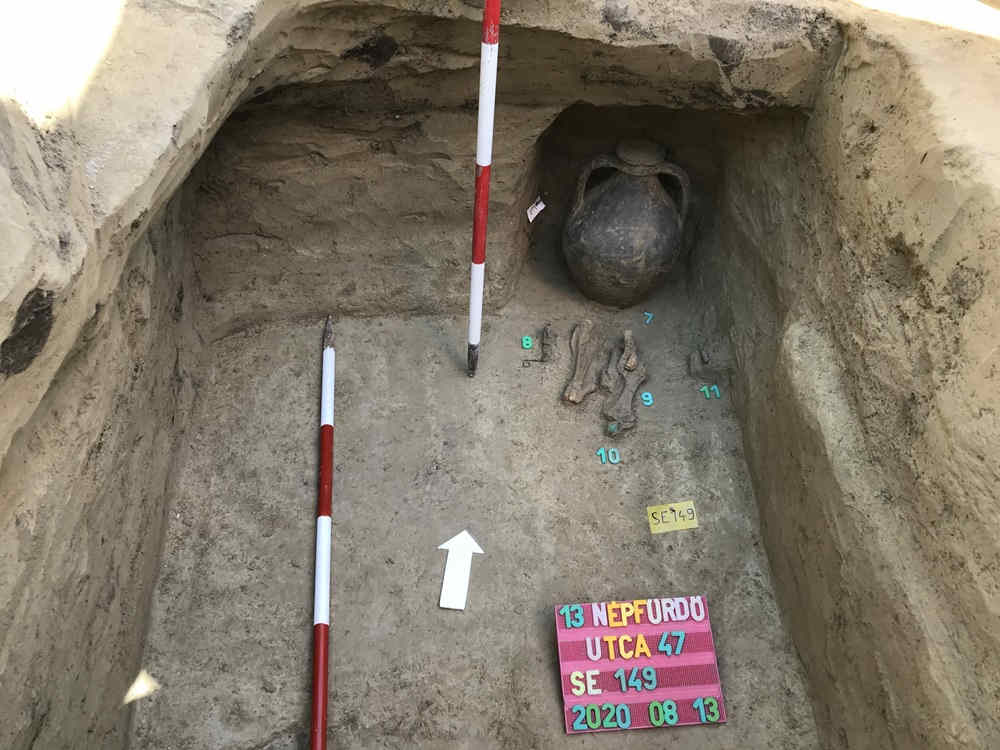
[[423, 452]]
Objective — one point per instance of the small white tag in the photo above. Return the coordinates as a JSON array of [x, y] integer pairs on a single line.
[[143, 685], [535, 208]]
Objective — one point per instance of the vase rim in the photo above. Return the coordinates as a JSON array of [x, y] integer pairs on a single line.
[[640, 152]]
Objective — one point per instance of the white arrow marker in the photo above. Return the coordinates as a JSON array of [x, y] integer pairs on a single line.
[[457, 567]]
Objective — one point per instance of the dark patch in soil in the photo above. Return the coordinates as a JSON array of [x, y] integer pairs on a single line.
[[965, 285], [376, 51], [729, 51], [178, 310], [617, 17], [31, 330], [758, 98], [331, 101], [775, 17]]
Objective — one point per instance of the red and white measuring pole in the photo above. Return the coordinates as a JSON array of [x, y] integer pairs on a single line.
[[484, 158], [321, 592]]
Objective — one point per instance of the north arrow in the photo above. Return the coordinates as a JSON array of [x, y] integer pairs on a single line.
[[457, 567]]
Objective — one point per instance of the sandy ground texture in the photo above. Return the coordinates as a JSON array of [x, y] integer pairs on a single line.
[[856, 263], [423, 452]]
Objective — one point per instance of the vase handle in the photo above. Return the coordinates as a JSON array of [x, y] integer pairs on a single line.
[[581, 184], [681, 176]]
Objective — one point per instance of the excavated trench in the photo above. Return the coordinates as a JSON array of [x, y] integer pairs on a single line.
[[332, 196], [344, 186]]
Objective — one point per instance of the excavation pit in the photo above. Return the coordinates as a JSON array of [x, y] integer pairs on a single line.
[[301, 188], [835, 287], [292, 196]]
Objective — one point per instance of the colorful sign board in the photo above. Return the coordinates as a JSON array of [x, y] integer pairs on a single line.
[[638, 664], [671, 517]]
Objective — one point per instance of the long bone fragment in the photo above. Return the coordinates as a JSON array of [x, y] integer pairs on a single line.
[[619, 407], [586, 349], [611, 381]]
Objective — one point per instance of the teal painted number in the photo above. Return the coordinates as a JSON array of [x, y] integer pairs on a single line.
[[620, 676], [649, 678], [662, 713], [707, 708], [666, 647], [633, 680], [709, 391], [589, 716], [623, 716], [609, 717], [573, 614], [526, 342], [649, 318], [608, 456], [648, 681], [679, 635], [647, 398]]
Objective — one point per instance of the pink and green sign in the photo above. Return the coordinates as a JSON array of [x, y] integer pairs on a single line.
[[638, 664]]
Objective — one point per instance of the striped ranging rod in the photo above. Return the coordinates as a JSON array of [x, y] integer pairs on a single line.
[[484, 157], [321, 592]]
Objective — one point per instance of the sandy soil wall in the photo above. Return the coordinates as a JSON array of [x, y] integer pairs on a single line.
[[859, 284], [301, 209], [82, 491]]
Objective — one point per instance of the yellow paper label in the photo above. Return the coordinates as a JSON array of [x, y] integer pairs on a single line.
[[671, 517]]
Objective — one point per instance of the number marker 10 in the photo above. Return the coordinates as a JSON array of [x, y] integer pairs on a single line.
[[609, 456]]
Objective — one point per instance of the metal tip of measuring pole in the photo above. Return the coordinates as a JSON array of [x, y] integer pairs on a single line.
[[328, 333], [473, 360]]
